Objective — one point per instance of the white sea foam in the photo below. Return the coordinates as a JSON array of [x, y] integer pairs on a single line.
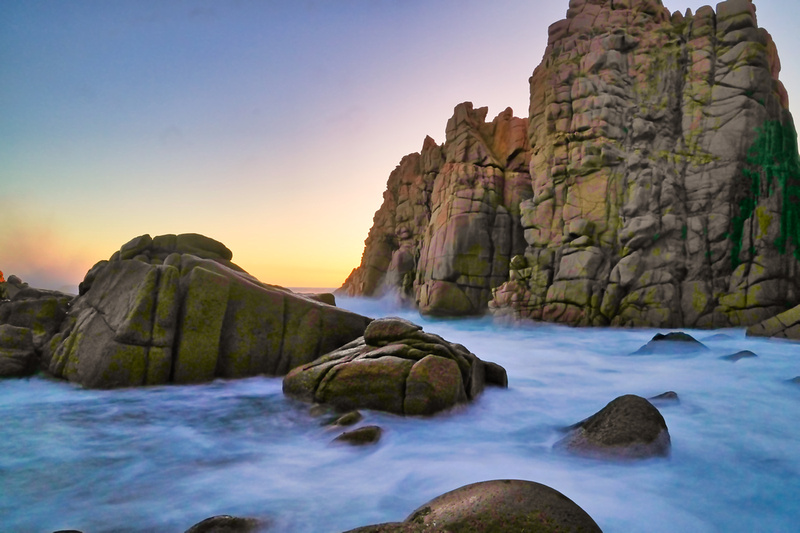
[[165, 458]]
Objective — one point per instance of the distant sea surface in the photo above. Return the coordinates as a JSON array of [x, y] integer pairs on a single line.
[[165, 458], [312, 290]]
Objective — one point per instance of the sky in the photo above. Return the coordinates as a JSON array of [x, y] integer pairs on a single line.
[[271, 126]]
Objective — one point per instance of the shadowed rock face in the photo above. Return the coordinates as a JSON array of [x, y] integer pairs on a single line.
[[174, 309], [656, 185]]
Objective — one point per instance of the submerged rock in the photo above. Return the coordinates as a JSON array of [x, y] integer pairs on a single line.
[[500, 506], [361, 436], [228, 524], [665, 398], [395, 367], [671, 343], [175, 309], [744, 354], [348, 419], [629, 427], [17, 352]]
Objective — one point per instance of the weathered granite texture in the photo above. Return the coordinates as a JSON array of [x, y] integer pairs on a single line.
[[783, 326], [657, 184], [450, 219], [28, 320], [395, 367], [175, 309]]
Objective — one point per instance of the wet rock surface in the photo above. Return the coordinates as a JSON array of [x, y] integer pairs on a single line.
[[360, 437], [395, 367], [744, 354], [629, 427], [502, 506], [228, 524]]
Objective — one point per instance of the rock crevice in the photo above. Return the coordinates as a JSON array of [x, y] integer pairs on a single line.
[[654, 183]]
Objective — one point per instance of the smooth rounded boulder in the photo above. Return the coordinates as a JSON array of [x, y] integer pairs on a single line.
[[629, 427], [499, 506]]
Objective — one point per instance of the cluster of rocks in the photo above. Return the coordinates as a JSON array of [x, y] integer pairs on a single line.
[[394, 367], [172, 309], [652, 183]]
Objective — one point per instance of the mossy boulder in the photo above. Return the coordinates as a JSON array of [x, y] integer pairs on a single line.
[[39, 310], [174, 309], [395, 367], [17, 352], [785, 325], [629, 427]]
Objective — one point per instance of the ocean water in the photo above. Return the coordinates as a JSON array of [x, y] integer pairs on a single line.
[[164, 458]]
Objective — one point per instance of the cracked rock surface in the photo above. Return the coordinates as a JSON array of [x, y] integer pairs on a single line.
[[395, 367], [654, 183], [175, 309]]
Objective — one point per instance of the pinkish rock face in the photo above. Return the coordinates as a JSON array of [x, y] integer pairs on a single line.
[[654, 183]]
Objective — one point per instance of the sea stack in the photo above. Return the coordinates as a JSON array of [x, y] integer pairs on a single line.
[[654, 183]]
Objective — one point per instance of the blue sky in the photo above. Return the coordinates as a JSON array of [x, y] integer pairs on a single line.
[[271, 125]]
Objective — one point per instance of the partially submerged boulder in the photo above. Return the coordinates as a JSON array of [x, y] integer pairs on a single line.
[[360, 437], [744, 354], [395, 367], [499, 506], [629, 427], [671, 343], [175, 309]]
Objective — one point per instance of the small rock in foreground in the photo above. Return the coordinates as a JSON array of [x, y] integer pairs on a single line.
[[499, 506], [666, 397]]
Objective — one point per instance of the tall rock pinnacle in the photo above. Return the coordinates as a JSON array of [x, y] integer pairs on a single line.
[[657, 184]]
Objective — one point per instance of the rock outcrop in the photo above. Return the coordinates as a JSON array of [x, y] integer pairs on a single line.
[[27, 322], [657, 184], [450, 219], [395, 367], [499, 506], [629, 427], [175, 309]]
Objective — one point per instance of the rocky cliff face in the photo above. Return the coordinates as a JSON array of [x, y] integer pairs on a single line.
[[450, 219], [656, 183]]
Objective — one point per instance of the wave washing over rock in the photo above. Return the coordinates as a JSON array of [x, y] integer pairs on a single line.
[[654, 183]]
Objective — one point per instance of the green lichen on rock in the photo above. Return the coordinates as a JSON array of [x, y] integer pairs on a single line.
[[772, 167]]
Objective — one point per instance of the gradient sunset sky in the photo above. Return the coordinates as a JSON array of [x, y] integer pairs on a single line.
[[270, 125]]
